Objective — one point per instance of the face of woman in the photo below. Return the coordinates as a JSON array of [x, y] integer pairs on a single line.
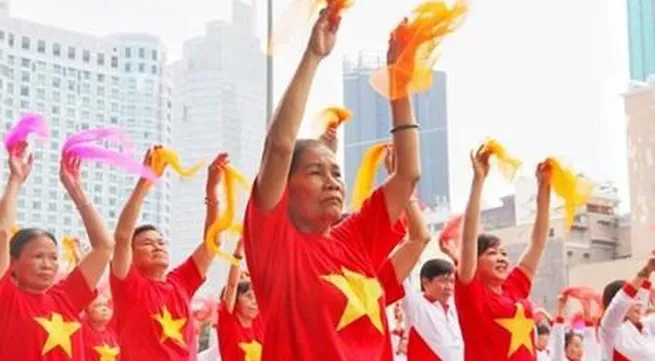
[[246, 305], [37, 265], [100, 310], [575, 349], [493, 265], [316, 189]]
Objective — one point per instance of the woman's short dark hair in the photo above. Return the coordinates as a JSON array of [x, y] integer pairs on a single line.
[[300, 147], [568, 337], [543, 329], [24, 236], [610, 291], [486, 241], [243, 287]]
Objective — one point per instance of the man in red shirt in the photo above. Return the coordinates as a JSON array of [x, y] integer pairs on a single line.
[[153, 308]]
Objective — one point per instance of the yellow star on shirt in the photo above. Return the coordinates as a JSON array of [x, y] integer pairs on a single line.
[[170, 327], [362, 294], [107, 353], [253, 350], [520, 329], [59, 333]]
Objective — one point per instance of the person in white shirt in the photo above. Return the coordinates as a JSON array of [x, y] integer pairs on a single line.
[[434, 331], [625, 334], [542, 343]]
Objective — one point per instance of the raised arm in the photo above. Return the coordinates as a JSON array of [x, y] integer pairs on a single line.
[[202, 256], [559, 333], [122, 260], [329, 138], [404, 132], [94, 263], [20, 166], [283, 131], [529, 261], [233, 279], [469, 250]]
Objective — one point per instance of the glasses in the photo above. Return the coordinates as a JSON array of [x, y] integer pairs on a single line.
[[153, 242]]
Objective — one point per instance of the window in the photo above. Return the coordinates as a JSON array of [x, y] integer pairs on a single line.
[[25, 76], [128, 68], [101, 91], [154, 55], [114, 62], [154, 70], [40, 93], [71, 53], [71, 99], [56, 82], [128, 52], [25, 43], [101, 59], [101, 78], [142, 53], [24, 91], [2, 35], [56, 49], [56, 69], [25, 63], [40, 46], [10, 40], [142, 68], [36, 205], [55, 109], [86, 56]]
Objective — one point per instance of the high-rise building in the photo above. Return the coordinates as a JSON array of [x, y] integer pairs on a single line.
[[641, 31], [79, 81], [372, 120], [219, 104], [640, 111]]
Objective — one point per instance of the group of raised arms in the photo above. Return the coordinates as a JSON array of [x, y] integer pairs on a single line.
[[322, 278]]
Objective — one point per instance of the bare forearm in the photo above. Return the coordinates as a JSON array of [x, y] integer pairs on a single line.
[[532, 256], [405, 142], [288, 117], [469, 251], [98, 234], [8, 204], [211, 215], [130, 214], [416, 227]]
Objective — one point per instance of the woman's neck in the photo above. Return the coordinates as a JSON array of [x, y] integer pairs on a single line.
[[312, 227], [244, 321], [98, 325]]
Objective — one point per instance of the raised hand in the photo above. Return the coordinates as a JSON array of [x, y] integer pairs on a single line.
[[480, 162], [543, 174], [329, 138], [20, 165], [69, 174], [215, 171], [324, 35]]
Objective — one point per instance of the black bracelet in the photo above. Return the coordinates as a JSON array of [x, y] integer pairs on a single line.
[[404, 127]]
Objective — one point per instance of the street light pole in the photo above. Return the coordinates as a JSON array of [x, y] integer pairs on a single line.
[[269, 63]]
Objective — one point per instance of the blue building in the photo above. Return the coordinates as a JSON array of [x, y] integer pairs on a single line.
[[641, 31], [372, 121]]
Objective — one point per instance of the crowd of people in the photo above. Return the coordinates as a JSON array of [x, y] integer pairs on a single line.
[[319, 280]]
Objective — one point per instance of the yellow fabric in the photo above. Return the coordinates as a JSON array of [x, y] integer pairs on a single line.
[[72, 252], [573, 189], [333, 117], [231, 179], [428, 24], [366, 174], [507, 164], [162, 157]]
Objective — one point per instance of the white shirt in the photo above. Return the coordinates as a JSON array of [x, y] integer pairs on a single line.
[[437, 326]]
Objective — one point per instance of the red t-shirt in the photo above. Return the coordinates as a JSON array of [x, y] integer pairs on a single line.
[[393, 290], [319, 295], [100, 345], [236, 342], [153, 318], [496, 327], [30, 322]]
